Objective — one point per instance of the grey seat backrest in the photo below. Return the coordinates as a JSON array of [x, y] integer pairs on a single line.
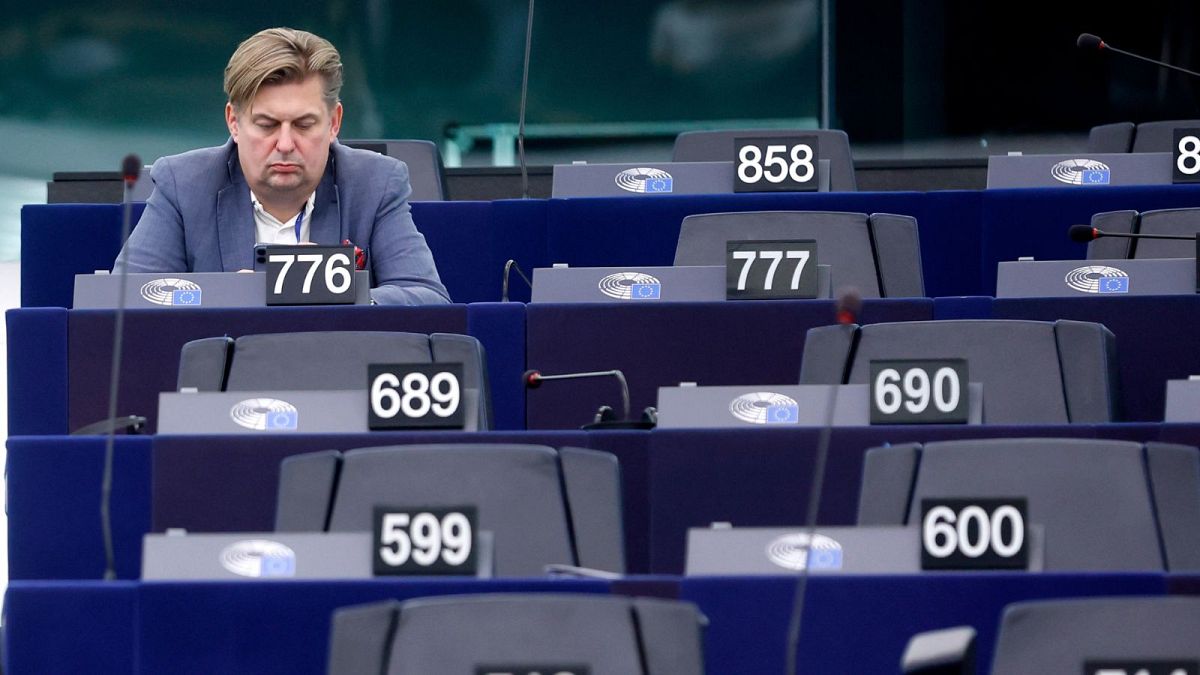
[[1057, 636], [717, 146], [878, 254], [432, 636], [532, 498], [1159, 136], [1165, 221], [1110, 138], [1032, 372], [425, 170], [1103, 504], [331, 360], [1113, 248]]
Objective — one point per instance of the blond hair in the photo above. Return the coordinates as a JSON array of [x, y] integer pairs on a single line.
[[281, 56]]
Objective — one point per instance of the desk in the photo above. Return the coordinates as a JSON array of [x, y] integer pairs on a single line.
[[1157, 338], [61, 360], [861, 624], [219, 484], [963, 233], [852, 624], [710, 343], [671, 480], [762, 477], [208, 627]]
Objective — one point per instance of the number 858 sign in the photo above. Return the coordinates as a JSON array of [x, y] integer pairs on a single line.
[[775, 164]]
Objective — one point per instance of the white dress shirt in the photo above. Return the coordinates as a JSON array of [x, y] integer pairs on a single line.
[[270, 230]]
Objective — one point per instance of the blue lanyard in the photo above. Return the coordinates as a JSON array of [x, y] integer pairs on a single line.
[[299, 222]]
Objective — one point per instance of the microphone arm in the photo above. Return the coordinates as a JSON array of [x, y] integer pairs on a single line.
[[533, 379], [1086, 233], [508, 268], [131, 168], [1087, 40], [521, 114]]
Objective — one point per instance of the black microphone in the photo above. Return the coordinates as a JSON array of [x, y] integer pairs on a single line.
[[534, 378], [1089, 41], [1086, 233], [521, 115], [131, 168], [846, 310], [508, 268], [849, 305]]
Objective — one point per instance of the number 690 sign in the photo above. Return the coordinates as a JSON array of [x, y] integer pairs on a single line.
[[413, 395], [931, 391]]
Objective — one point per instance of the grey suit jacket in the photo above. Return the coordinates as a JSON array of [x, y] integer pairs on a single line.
[[199, 219]]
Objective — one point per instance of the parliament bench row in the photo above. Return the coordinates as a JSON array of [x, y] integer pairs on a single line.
[[963, 234], [59, 360], [670, 481]]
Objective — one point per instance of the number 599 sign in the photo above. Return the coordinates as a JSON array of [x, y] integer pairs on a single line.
[[411, 395]]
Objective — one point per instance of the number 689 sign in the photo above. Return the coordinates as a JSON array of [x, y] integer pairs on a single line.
[[412, 395]]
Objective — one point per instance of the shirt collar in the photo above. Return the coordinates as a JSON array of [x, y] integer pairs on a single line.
[[258, 207]]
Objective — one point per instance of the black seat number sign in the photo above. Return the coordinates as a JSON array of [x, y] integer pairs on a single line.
[[532, 670], [1185, 155], [414, 395], [919, 391], [781, 164], [309, 275], [770, 269], [1141, 667], [413, 541], [963, 534]]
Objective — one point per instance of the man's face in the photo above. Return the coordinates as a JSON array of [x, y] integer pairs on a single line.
[[283, 138]]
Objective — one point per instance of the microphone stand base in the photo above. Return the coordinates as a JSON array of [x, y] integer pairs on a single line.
[[618, 424]]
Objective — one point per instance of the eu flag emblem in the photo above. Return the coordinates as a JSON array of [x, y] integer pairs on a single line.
[[277, 566], [825, 559], [1095, 177], [185, 297], [1114, 285], [645, 291], [783, 414], [282, 419], [658, 184]]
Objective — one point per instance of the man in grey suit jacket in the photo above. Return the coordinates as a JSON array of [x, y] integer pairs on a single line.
[[283, 178]]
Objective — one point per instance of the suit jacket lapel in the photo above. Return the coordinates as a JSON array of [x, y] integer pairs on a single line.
[[235, 220], [326, 225]]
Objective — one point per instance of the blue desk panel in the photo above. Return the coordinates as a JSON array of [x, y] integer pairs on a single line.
[[59, 360], [861, 624], [216, 484], [661, 345], [963, 233], [763, 477], [1158, 339], [1034, 222], [670, 481], [59, 241], [37, 371], [54, 506], [851, 624], [211, 627]]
